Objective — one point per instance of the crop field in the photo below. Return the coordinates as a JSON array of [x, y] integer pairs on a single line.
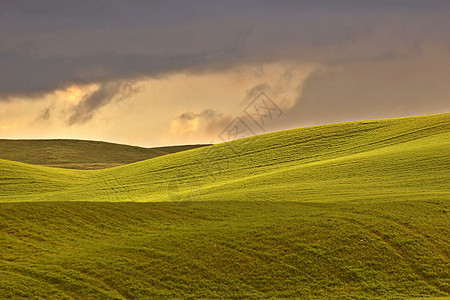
[[355, 210]]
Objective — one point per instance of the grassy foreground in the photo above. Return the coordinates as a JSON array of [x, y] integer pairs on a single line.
[[346, 211]]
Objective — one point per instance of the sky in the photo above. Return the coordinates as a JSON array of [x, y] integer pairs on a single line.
[[153, 73]]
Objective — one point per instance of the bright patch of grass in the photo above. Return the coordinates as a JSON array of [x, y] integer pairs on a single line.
[[406, 158]]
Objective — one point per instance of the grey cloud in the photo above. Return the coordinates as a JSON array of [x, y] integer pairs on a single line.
[[34, 77], [45, 115], [255, 91], [276, 90], [354, 91], [206, 115], [187, 116], [207, 122], [370, 91], [106, 93], [213, 123], [48, 45]]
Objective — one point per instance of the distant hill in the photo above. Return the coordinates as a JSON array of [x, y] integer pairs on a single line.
[[80, 154]]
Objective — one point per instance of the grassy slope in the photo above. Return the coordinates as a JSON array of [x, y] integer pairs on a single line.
[[79, 154], [353, 210], [405, 158]]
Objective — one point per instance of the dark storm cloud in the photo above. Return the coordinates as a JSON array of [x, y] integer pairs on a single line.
[[27, 76], [46, 45]]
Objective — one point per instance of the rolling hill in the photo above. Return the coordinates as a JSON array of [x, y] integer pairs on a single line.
[[80, 154], [355, 210]]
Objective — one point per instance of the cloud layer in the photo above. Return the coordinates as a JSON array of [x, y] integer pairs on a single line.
[[49, 45]]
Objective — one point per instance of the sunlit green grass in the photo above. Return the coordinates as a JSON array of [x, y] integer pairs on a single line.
[[347, 211], [400, 159]]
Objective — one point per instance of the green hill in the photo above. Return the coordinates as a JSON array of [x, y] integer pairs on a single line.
[[355, 210], [79, 154]]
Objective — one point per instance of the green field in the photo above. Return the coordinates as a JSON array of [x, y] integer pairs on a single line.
[[355, 210]]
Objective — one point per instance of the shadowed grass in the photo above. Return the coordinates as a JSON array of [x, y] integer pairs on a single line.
[[79, 154], [255, 249]]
